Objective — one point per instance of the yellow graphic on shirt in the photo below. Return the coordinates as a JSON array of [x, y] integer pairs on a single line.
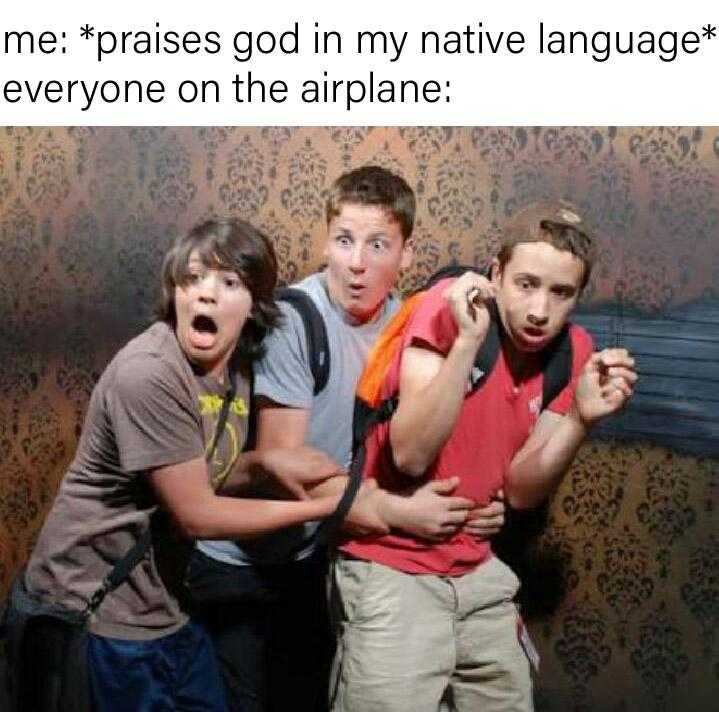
[[211, 404], [229, 446]]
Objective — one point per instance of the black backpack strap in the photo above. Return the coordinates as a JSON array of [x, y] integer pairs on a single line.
[[364, 419], [315, 333], [489, 351], [556, 367], [122, 569], [452, 270], [222, 418], [487, 355], [328, 526]]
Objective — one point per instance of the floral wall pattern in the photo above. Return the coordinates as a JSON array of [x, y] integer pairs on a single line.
[[632, 540]]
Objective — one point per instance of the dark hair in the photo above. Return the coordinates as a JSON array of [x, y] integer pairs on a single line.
[[373, 185], [235, 245]]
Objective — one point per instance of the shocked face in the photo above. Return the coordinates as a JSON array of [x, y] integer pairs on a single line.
[[365, 251], [536, 291], [211, 307]]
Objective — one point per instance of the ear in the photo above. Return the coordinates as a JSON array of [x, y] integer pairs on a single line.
[[407, 253], [495, 272]]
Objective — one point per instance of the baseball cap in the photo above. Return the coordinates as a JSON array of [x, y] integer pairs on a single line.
[[546, 215]]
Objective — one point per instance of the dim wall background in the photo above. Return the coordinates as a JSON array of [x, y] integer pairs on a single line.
[[87, 213]]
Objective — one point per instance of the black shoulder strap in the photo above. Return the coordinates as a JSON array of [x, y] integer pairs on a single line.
[[222, 418], [364, 419], [452, 270], [330, 525], [122, 569], [489, 351], [315, 333]]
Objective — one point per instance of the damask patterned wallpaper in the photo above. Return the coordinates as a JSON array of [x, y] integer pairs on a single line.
[[627, 601]]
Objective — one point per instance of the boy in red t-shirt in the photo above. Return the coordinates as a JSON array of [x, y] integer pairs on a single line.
[[417, 616]]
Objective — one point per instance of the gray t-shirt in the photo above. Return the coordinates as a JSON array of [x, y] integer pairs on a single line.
[[149, 409], [284, 376]]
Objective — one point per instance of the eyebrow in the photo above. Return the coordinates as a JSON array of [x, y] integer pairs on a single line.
[[380, 235]]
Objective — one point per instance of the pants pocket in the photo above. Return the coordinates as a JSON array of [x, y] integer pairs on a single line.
[[349, 582]]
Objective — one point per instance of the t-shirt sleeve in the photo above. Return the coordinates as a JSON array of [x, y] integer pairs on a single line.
[[155, 420], [433, 322], [283, 373], [582, 349]]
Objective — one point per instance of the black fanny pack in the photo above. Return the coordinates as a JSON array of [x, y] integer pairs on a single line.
[[46, 644], [35, 631]]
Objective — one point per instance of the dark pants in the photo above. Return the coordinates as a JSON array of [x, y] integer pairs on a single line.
[[271, 631], [177, 672], [174, 673]]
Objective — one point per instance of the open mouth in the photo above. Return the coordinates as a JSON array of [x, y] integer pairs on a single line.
[[203, 330], [204, 324], [532, 338]]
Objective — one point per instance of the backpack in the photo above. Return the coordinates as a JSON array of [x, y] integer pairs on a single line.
[[318, 350]]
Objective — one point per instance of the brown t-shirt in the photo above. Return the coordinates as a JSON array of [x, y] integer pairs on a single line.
[[149, 409]]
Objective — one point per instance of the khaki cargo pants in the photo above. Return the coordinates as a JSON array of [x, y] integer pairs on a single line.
[[404, 639]]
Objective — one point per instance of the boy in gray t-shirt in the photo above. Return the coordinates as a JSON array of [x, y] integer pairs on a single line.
[[273, 638]]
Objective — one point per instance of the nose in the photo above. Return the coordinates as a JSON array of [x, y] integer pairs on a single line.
[[538, 314], [207, 288], [357, 259]]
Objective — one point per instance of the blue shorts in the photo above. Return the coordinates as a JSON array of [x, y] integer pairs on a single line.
[[175, 673]]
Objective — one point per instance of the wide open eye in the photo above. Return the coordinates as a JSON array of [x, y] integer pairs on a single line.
[[231, 280], [563, 292], [193, 276]]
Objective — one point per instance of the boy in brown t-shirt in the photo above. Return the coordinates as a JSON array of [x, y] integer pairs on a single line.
[[143, 449]]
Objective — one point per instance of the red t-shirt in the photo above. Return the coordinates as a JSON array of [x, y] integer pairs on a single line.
[[494, 422]]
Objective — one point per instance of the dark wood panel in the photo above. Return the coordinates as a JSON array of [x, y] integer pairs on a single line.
[[677, 399]]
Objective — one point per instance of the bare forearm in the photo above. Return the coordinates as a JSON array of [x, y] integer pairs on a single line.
[[425, 418], [367, 515], [217, 517], [429, 512], [244, 476], [536, 471]]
